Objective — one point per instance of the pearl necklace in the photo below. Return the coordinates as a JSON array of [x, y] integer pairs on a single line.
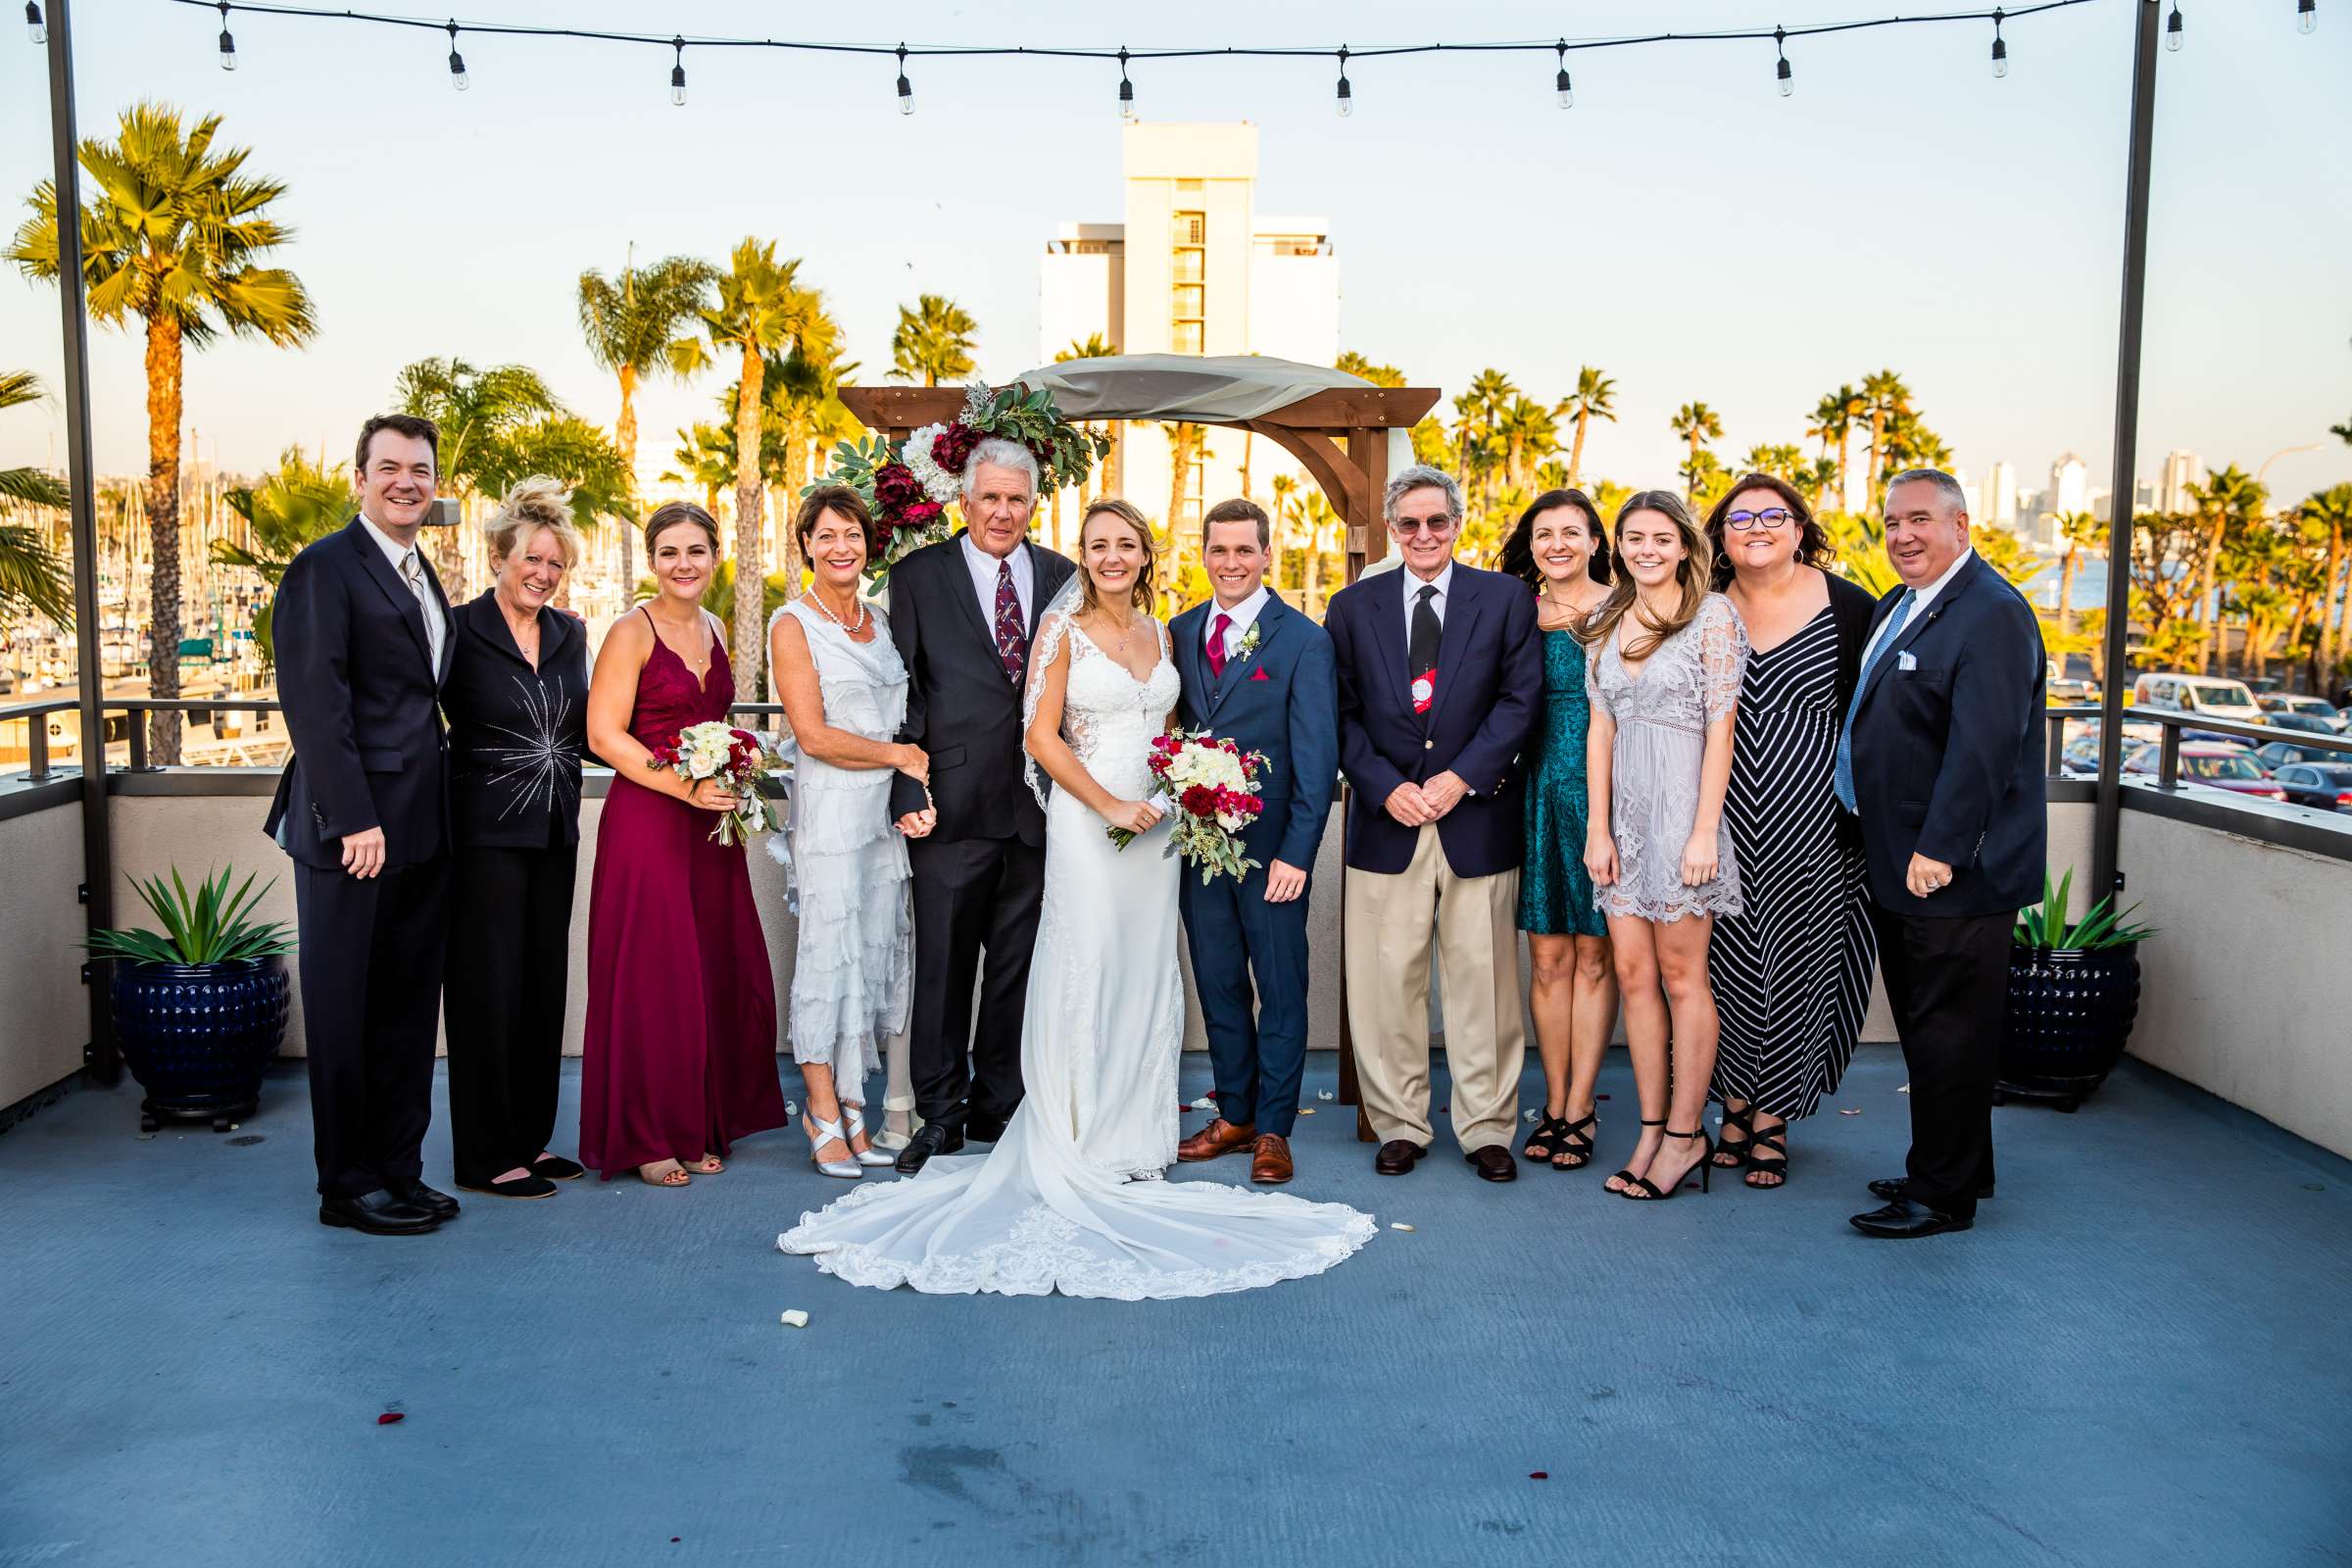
[[848, 631]]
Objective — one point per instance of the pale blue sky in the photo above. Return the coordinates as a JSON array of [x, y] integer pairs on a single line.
[[1683, 226]]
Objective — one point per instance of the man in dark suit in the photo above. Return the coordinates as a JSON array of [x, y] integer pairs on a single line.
[[1941, 758], [1441, 675], [1258, 673], [962, 614], [362, 634]]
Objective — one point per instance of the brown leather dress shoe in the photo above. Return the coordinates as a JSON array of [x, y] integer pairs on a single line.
[[1219, 1137], [1493, 1163], [1270, 1161], [1398, 1157]]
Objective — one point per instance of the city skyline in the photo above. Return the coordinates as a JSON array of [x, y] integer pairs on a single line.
[[1459, 254]]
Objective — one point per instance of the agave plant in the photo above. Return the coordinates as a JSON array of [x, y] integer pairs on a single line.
[[213, 926], [2045, 926]]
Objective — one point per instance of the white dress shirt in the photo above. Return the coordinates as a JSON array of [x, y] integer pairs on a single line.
[[1242, 617], [1918, 605], [436, 624], [1442, 582], [983, 568]]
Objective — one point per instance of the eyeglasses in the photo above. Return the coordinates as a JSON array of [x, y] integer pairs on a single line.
[[1408, 526], [1769, 518]]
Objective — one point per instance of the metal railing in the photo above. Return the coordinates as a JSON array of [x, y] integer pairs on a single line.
[[2173, 727]]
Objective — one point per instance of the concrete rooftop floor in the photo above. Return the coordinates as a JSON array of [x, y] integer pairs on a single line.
[[2137, 1358]]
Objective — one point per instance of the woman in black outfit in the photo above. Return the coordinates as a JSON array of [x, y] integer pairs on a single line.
[[516, 701]]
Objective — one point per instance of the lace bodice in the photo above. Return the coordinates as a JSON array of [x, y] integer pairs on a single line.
[[1687, 682], [1110, 717]]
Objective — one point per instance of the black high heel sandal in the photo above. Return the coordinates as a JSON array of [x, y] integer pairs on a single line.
[[1643, 1189], [1576, 1142], [1549, 1133], [1627, 1175], [1746, 1121], [1777, 1141]]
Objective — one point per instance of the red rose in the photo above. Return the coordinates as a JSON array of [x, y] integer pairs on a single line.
[[1199, 800], [952, 448], [922, 514], [896, 488]]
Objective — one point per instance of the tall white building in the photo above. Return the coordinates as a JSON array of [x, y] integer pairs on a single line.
[[2181, 469], [1996, 497], [2070, 486], [1193, 267]]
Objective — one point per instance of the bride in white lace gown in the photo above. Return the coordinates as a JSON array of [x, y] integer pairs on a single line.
[[1071, 1198]]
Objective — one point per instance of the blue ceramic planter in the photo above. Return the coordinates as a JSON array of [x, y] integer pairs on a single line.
[[198, 1037], [2069, 1017]]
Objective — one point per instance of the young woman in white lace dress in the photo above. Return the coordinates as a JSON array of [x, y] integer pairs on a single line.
[[844, 690], [1070, 1198], [1665, 680]]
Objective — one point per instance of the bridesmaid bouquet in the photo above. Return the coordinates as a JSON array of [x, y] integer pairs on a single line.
[[1214, 786], [735, 759]]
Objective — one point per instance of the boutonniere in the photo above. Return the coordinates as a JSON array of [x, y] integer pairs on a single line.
[[1248, 644]]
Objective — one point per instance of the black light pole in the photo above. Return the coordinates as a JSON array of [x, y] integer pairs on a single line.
[[2108, 822], [103, 1062]]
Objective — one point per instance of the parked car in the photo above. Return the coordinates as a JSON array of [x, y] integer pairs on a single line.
[[2276, 703], [2065, 691], [2308, 723], [2208, 696], [2276, 755], [2221, 767], [2326, 785]]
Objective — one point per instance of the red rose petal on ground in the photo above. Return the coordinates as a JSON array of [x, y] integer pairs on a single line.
[[389, 1417], [1538, 1475]]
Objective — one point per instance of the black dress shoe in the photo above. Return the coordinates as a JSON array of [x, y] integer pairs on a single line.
[[379, 1214], [1902, 1219], [1398, 1157], [1894, 1189], [555, 1168], [440, 1206], [933, 1137], [1493, 1163], [984, 1129], [528, 1185]]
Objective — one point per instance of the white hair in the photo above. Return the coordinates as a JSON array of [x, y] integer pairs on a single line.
[[1421, 476], [998, 452], [1947, 489]]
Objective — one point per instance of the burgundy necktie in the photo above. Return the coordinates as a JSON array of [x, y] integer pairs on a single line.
[[1012, 637], [1216, 643]]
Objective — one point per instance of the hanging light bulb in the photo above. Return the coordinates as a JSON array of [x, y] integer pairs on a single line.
[[677, 72], [1347, 94], [228, 45], [2000, 46], [1560, 83], [1780, 38], [906, 87], [33, 23], [457, 62], [2307, 16], [2172, 28], [1126, 89]]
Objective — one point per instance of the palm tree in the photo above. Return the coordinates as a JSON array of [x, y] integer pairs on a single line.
[[33, 576], [1594, 398], [1529, 435], [1910, 444], [1883, 396], [2226, 501], [1354, 364], [1186, 443], [1781, 459], [640, 323], [1817, 480], [706, 459], [1480, 415], [760, 307], [1834, 420], [170, 234], [804, 406], [2081, 531], [1698, 424], [933, 341], [2331, 509], [301, 503]]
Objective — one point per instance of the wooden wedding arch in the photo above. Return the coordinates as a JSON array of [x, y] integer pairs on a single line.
[[1340, 434]]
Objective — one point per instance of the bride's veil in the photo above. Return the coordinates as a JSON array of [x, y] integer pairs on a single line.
[[1051, 629]]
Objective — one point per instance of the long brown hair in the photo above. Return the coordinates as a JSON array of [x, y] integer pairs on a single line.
[[1694, 573], [1127, 513]]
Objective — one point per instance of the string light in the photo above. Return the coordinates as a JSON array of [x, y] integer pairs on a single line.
[[677, 72], [457, 62], [1126, 88], [2172, 28], [906, 87], [2000, 46], [1560, 83], [2307, 16], [228, 45], [1780, 41], [33, 23], [1347, 94]]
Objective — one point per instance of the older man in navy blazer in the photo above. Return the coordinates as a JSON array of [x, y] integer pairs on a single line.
[[1941, 758], [1258, 673], [1440, 676]]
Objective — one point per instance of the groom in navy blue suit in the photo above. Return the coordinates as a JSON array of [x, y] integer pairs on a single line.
[[1260, 674]]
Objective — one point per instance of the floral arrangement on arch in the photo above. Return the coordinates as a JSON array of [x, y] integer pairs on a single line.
[[911, 484]]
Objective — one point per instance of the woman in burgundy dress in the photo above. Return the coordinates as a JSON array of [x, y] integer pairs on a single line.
[[680, 1057]]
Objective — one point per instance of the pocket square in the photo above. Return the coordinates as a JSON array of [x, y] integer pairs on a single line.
[[1260, 674], [1906, 660]]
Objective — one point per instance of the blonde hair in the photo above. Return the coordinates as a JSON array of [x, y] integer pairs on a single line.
[[1694, 573], [1127, 513], [533, 504]]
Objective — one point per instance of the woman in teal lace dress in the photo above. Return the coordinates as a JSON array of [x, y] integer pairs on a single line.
[[1559, 550]]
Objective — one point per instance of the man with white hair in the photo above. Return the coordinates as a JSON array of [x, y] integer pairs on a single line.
[[962, 614]]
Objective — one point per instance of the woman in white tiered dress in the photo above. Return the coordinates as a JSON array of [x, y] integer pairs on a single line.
[[844, 690], [1070, 1198]]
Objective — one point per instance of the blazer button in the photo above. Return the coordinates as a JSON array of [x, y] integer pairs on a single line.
[[1428, 746]]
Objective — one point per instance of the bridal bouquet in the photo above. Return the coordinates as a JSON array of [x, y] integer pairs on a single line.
[[1213, 784], [735, 759]]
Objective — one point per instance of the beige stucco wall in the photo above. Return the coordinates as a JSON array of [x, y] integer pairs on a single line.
[[44, 1015]]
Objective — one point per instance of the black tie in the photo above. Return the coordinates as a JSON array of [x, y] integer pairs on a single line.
[[1421, 651]]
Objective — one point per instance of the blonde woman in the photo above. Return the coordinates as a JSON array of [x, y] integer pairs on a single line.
[[516, 702], [1667, 656]]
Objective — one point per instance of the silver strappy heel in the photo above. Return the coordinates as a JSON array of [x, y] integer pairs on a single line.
[[830, 1132], [854, 1115]]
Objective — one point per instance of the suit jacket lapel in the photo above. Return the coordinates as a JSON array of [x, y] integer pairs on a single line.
[[1267, 627], [1387, 631], [372, 562], [1888, 657], [1041, 592], [1453, 633], [1192, 664], [960, 583]]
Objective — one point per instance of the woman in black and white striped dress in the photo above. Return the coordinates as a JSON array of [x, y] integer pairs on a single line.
[[1791, 972]]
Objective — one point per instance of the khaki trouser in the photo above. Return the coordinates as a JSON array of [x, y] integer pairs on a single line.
[[1387, 942]]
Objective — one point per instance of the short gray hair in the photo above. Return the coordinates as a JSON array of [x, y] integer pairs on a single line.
[[1946, 487], [998, 452], [1421, 476]]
